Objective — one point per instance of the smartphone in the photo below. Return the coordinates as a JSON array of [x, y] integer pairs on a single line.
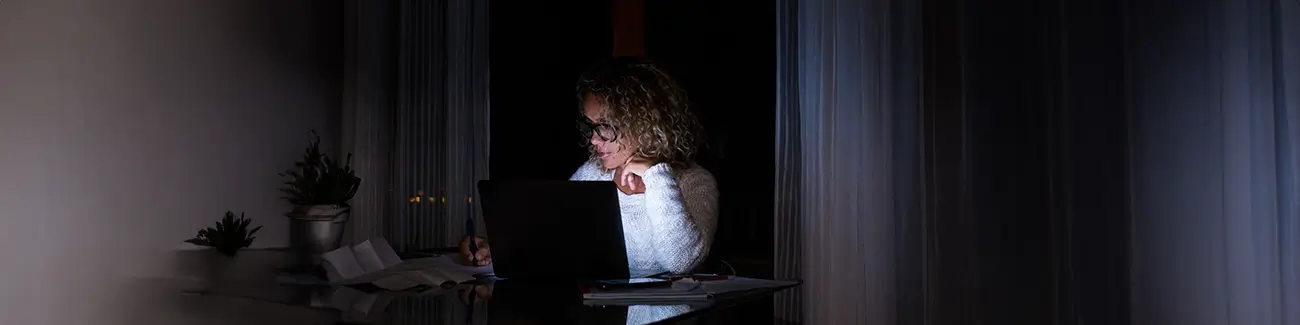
[[633, 283]]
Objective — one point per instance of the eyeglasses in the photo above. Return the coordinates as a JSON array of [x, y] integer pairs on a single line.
[[604, 131]]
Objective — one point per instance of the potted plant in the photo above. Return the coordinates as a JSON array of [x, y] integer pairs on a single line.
[[319, 189], [226, 238]]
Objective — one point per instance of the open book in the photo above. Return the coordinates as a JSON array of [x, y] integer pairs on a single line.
[[374, 262]]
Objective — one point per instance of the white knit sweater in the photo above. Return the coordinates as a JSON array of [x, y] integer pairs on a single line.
[[670, 227]]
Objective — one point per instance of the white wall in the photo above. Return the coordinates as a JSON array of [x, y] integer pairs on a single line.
[[127, 125]]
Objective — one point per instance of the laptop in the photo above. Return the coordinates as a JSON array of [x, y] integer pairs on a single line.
[[554, 231]]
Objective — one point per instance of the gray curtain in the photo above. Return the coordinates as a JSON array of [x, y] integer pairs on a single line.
[[368, 108], [847, 156], [1215, 93], [416, 117]]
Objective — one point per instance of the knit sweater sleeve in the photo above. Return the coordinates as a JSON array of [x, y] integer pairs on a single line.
[[683, 211]]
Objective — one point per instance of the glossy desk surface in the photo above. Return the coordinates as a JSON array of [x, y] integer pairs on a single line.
[[499, 302]]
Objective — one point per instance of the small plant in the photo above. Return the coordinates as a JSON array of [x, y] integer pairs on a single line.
[[228, 236], [319, 180]]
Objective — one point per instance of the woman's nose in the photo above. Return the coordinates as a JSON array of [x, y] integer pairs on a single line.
[[595, 139]]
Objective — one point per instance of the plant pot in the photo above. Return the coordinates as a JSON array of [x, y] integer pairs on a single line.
[[315, 230], [204, 269]]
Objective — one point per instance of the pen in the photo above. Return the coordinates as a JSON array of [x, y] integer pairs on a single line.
[[469, 219], [469, 231]]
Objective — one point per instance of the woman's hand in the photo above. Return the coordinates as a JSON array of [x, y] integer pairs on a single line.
[[480, 257], [481, 292], [632, 171]]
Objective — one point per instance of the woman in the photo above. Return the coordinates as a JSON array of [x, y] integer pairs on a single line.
[[642, 135]]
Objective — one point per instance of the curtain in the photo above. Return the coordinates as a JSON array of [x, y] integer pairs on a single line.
[[416, 118], [368, 108], [1215, 93], [847, 157]]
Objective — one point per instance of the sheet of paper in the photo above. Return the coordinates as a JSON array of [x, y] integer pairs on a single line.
[[371, 277], [450, 267], [458, 277], [434, 277], [387, 256], [396, 282], [736, 284], [342, 264], [367, 257]]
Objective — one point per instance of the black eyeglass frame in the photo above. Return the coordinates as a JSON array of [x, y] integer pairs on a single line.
[[588, 127]]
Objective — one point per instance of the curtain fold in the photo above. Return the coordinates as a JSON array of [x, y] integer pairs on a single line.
[[367, 122], [847, 156], [1214, 87], [1286, 95], [787, 201]]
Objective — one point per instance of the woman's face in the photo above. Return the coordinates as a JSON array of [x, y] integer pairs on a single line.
[[615, 153]]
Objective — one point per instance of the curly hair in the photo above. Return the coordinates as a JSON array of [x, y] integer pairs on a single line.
[[646, 107]]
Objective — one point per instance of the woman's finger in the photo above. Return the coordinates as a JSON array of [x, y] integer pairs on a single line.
[[483, 292]]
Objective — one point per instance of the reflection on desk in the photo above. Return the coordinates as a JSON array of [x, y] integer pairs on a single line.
[[361, 307], [501, 302]]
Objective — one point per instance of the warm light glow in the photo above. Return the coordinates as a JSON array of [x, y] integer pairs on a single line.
[[419, 196]]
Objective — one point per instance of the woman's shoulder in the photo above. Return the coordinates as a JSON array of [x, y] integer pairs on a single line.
[[695, 170], [695, 174], [697, 183]]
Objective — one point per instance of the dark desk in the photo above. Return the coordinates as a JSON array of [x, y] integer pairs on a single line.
[[501, 302]]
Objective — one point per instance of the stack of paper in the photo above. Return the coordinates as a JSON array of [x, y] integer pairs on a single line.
[[679, 290], [735, 284], [686, 290], [374, 262]]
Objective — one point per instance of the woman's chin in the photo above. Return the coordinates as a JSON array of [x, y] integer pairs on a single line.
[[609, 163]]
